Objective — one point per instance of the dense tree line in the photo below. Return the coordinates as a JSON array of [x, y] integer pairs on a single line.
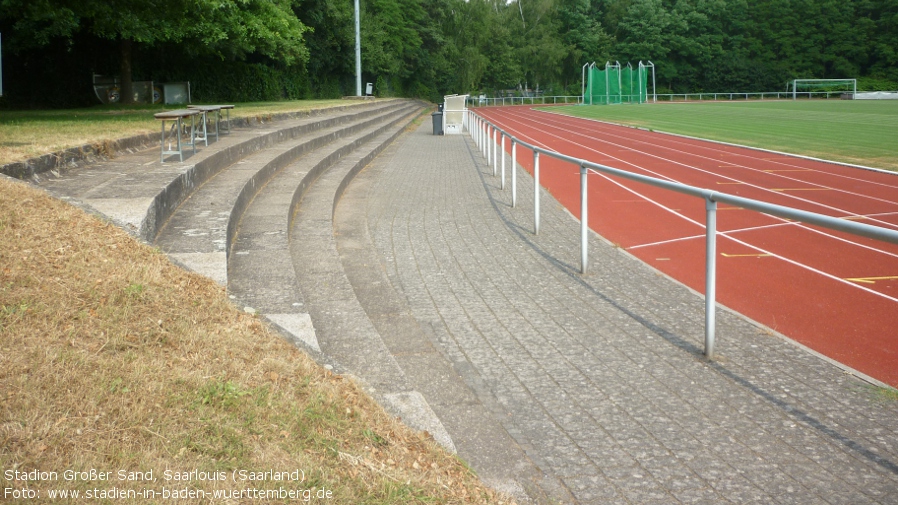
[[265, 49]]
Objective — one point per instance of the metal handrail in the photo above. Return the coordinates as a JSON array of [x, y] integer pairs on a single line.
[[525, 100], [663, 97], [480, 129]]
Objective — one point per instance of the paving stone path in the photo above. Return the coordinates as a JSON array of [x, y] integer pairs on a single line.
[[595, 384]]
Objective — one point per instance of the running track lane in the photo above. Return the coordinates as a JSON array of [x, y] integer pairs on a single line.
[[833, 292]]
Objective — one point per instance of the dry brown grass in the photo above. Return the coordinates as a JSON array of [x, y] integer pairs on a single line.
[[111, 359]]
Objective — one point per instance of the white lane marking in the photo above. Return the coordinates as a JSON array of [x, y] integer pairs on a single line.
[[697, 169], [726, 234]]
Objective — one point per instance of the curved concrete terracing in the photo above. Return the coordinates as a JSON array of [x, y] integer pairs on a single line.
[[416, 276]]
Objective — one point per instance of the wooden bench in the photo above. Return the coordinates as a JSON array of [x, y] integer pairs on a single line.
[[178, 116]]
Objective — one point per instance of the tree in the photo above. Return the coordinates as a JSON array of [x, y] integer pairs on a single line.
[[583, 36], [227, 28]]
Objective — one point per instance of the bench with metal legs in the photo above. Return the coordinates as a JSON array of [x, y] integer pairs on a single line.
[[178, 116], [204, 111], [227, 109]]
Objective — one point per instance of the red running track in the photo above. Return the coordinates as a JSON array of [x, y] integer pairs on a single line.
[[833, 292]]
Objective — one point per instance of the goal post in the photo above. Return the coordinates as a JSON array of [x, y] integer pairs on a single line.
[[833, 85]]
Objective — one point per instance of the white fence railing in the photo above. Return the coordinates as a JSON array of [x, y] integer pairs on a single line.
[[661, 97], [485, 136], [769, 95], [524, 100]]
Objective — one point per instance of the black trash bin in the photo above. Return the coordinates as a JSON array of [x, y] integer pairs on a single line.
[[437, 118]]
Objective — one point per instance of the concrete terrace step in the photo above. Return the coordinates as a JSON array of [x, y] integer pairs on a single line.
[[195, 232], [343, 330], [260, 271], [137, 192]]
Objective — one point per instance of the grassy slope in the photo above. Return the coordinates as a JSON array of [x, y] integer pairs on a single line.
[[861, 131], [28, 134], [111, 358]]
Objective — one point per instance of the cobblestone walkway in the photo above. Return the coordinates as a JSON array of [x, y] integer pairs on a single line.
[[599, 378]]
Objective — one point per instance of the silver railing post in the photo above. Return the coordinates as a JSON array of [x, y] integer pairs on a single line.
[[479, 132], [477, 137], [487, 145], [536, 192], [710, 275], [496, 152], [474, 131], [477, 127], [502, 186], [491, 140], [514, 174], [584, 221]]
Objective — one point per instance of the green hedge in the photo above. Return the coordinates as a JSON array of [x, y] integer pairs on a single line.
[[247, 82]]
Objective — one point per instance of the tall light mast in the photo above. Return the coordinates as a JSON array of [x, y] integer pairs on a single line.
[[358, 53]]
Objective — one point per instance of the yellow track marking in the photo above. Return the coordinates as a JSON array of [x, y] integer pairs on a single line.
[[871, 280]]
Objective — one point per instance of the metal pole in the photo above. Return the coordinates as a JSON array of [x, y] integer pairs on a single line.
[[358, 53], [584, 224], [472, 125], [490, 130], [710, 275], [536, 192], [503, 158], [654, 85], [583, 86], [476, 131], [479, 132], [514, 173], [180, 151], [477, 141], [495, 152]]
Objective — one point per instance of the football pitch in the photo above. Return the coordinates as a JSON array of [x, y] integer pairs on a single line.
[[863, 132]]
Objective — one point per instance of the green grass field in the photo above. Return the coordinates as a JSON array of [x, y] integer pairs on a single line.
[[863, 132]]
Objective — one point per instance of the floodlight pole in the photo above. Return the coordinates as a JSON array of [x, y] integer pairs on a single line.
[[358, 53]]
